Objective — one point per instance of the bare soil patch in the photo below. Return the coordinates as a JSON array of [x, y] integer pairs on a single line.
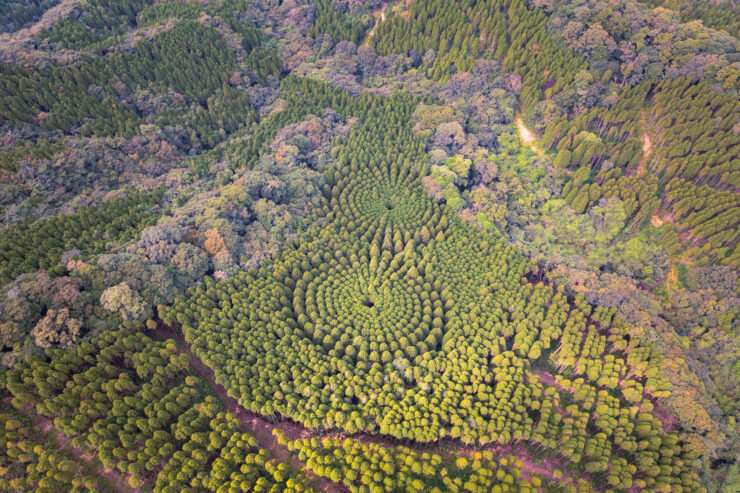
[[528, 138]]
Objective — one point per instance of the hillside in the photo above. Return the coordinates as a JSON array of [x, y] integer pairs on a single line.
[[330, 245]]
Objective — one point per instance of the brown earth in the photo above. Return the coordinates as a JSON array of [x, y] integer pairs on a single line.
[[255, 424], [528, 138], [647, 149], [377, 13]]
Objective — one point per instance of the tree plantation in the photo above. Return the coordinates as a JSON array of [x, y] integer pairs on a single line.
[[130, 401], [397, 319], [342, 246], [372, 467]]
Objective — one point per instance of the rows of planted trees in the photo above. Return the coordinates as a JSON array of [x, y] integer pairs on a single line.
[[98, 24], [15, 14], [131, 402], [34, 245], [96, 95], [394, 317], [595, 125], [371, 467], [334, 19], [30, 460], [95, 21], [688, 174], [302, 97], [462, 32], [59, 98], [390, 315]]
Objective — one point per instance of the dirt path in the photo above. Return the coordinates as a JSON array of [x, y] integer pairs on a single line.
[[449, 448], [530, 467], [647, 149], [528, 138], [255, 424], [262, 429], [377, 21]]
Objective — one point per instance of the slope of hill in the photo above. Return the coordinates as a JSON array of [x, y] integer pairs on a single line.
[[332, 245]]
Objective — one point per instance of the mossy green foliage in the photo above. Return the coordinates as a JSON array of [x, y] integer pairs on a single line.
[[30, 246], [392, 316], [132, 402]]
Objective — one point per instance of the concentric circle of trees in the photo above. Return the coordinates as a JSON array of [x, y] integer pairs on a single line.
[[365, 312], [394, 317], [383, 202], [365, 201]]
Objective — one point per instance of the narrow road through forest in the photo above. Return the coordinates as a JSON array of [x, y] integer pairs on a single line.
[[256, 425], [647, 148], [377, 21]]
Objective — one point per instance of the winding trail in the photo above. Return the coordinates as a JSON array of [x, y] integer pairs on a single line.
[[382, 18], [255, 424], [647, 147], [647, 150]]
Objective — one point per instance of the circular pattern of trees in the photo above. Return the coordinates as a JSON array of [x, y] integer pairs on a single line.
[[382, 204], [392, 316], [356, 312]]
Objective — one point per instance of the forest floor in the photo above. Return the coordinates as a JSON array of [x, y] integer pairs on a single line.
[[528, 138], [647, 149], [255, 424]]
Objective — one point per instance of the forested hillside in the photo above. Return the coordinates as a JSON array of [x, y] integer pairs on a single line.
[[344, 246]]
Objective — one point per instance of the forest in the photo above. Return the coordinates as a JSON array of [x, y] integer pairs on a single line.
[[343, 246]]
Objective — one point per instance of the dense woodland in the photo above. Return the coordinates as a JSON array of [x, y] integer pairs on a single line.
[[17, 14], [323, 245], [361, 467], [130, 401], [398, 319]]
